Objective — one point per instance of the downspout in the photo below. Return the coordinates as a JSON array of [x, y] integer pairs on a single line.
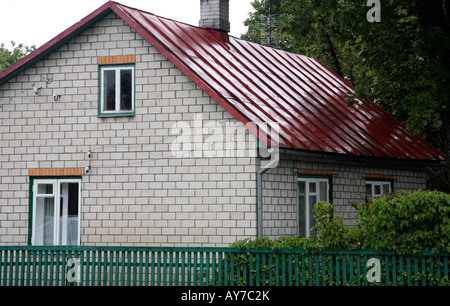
[[272, 164]]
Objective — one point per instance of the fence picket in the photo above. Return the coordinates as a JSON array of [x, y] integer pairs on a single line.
[[107, 266], [430, 258]]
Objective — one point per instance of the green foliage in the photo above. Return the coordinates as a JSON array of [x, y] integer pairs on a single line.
[[407, 223], [403, 223], [329, 233], [288, 242], [265, 30], [7, 57]]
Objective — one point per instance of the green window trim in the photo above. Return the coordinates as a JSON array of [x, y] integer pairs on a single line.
[[310, 191], [131, 114], [116, 112], [31, 199]]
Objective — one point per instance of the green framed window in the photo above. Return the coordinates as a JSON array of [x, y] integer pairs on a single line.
[[117, 90], [311, 190], [377, 188], [55, 211]]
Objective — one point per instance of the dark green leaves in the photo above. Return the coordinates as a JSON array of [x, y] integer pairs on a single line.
[[409, 223], [404, 223], [8, 57]]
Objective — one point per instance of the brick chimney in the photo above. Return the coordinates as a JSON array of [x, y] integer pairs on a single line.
[[214, 14]]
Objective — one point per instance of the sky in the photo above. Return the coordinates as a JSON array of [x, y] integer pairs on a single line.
[[34, 22]]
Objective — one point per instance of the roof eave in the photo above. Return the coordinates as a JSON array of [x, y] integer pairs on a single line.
[[368, 160]]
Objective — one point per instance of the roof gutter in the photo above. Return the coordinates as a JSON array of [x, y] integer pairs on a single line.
[[363, 159], [275, 153]]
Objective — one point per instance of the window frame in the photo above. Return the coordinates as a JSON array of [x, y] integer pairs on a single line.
[[308, 207], [33, 195], [378, 182], [117, 112]]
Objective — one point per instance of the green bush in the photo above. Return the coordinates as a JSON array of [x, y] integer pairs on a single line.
[[404, 223], [329, 233]]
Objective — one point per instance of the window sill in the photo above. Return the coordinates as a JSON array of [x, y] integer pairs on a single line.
[[117, 115]]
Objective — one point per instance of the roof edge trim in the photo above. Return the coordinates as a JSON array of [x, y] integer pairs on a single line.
[[363, 159]]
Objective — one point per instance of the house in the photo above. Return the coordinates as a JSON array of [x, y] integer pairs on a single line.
[[133, 129]]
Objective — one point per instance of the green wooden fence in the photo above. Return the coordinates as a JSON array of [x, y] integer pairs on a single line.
[[161, 266]]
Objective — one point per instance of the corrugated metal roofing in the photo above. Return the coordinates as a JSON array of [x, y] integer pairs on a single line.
[[255, 83]]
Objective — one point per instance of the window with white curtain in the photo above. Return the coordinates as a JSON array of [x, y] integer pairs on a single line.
[[311, 190], [56, 212]]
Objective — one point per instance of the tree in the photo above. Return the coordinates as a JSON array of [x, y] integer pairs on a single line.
[[7, 57], [401, 63], [264, 25]]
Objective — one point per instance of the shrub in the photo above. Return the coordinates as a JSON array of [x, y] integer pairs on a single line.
[[329, 229], [404, 223], [329, 233]]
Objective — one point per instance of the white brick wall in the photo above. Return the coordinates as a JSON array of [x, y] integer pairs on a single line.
[[280, 189], [137, 193]]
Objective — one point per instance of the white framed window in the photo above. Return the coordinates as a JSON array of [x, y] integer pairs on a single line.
[[311, 190], [56, 205], [378, 188], [117, 90]]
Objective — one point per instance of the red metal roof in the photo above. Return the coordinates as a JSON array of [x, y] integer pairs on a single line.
[[255, 83]]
